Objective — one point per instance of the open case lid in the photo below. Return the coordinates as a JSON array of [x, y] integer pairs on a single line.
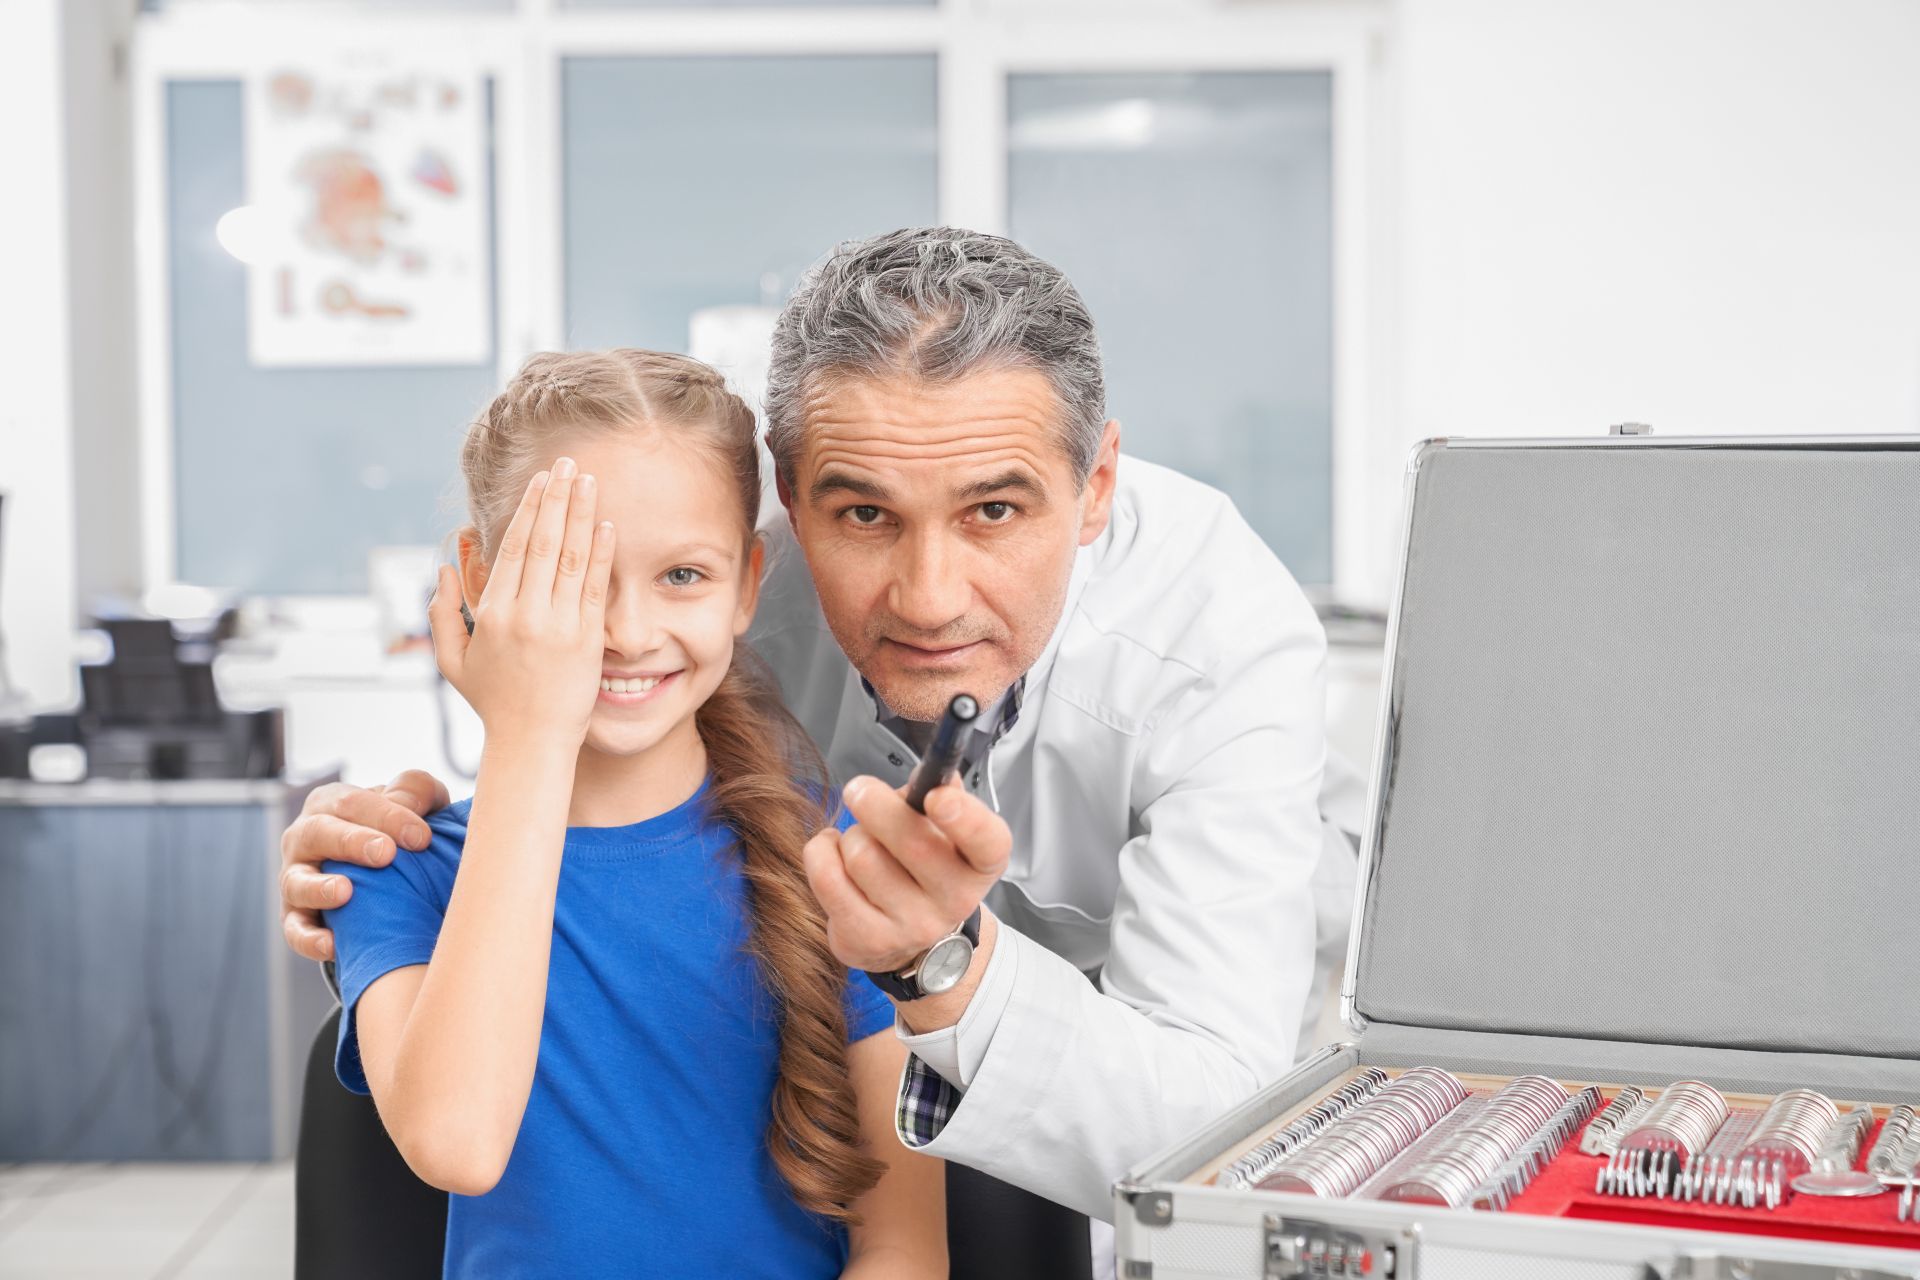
[[1649, 767]]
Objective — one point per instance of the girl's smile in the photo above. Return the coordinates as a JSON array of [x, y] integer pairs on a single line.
[[632, 691]]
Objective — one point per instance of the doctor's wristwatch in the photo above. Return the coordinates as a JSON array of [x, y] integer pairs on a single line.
[[939, 968]]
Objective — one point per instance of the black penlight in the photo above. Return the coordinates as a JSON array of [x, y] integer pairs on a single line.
[[941, 760]]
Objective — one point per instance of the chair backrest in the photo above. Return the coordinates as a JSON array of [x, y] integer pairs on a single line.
[[359, 1212], [996, 1231]]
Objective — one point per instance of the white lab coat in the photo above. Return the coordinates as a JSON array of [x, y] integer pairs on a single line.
[[1163, 783]]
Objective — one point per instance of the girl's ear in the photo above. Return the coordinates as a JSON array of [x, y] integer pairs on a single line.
[[750, 586], [472, 566]]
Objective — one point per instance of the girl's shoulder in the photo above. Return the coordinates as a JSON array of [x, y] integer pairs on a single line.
[[447, 836], [450, 823], [413, 881]]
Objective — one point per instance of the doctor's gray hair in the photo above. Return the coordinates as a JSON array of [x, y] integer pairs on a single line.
[[934, 303]]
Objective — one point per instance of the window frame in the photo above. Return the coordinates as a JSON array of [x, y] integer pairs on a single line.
[[977, 44]]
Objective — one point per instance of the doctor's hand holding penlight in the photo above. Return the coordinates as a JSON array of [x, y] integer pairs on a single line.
[[907, 879]]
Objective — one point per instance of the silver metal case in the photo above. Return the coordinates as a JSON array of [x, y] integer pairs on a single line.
[[1643, 807]]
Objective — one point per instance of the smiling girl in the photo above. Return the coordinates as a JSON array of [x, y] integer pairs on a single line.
[[600, 1009]]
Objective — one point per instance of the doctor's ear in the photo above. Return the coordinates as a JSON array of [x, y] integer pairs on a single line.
[[1096, 495]]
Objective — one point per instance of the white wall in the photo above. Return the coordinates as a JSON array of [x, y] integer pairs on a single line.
[[100, 272], [1704, 215], [36, 458]]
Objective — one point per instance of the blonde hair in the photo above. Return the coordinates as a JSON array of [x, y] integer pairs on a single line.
[[769, 784]]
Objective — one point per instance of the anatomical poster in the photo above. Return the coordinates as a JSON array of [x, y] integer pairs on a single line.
[[366, 228]]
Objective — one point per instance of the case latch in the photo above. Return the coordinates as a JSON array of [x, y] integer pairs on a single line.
[[1630, 429], [1301, 1250]]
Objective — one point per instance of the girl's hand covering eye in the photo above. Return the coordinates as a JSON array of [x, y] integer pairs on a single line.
[[532, 666]]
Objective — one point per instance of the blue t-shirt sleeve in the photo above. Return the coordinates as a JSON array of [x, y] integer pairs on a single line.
[[869, 1012], [392, 920]]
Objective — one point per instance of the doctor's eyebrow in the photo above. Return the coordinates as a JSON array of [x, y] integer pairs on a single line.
[[828, 482], [1016, 481]]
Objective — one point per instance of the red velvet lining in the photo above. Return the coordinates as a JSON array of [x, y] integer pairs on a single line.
[[1564, 1189]]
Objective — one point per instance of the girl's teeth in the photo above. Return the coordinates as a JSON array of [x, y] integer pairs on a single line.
[[628, 686]]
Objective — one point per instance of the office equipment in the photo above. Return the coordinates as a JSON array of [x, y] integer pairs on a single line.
[[151, 710], [154, 1010]]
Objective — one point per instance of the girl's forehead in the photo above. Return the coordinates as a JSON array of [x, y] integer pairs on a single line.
[[663, 491], [639, 445]]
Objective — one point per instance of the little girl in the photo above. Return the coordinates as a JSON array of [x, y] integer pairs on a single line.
[[600, 1008]]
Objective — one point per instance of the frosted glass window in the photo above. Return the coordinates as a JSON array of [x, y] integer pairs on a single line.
[[701, 182], [285, 478], [1194, 212]]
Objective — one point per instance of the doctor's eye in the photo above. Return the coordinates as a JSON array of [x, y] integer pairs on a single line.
[[864, 515], [997, 512], [682, 576]]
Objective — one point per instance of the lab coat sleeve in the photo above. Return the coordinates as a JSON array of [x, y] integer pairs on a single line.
[[1212, 945]]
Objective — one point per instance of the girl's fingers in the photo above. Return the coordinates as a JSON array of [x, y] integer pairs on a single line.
[[549, 531], [503, 578], [576, 545], [593, 591]]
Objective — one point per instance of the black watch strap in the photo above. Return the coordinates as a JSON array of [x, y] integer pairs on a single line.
[[906, 986]]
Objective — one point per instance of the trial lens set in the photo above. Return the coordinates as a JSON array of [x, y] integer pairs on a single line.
[[1424, 1137], [1691, 1146]]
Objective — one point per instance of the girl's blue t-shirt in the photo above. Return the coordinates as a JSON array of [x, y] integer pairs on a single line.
[[643, 1148]]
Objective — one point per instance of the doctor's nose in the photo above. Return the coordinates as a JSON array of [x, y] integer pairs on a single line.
[[930, 587]]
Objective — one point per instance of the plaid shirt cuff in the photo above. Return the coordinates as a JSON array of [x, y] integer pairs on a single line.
[[927, 1102]]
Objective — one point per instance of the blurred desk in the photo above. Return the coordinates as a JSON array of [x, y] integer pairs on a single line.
[[352, 708], [149, 1009]]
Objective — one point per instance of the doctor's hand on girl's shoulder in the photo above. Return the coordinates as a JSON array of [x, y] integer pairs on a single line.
[[531, 667]]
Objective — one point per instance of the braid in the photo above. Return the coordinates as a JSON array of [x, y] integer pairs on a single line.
[[814, 1137]]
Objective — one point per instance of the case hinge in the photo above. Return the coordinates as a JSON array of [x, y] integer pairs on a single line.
[[1154, 1208]]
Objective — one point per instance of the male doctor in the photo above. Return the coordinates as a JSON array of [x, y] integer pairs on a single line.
[[1125, 892]]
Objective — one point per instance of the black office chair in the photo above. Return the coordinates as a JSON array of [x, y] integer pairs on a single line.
[[361, 1214], [996, 1231]]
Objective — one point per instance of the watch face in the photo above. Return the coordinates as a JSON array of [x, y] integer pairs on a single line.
[[945, 965]]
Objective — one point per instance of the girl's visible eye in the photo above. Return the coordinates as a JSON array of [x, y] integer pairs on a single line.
[[683, 576], [864, 515], [997, 512]]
